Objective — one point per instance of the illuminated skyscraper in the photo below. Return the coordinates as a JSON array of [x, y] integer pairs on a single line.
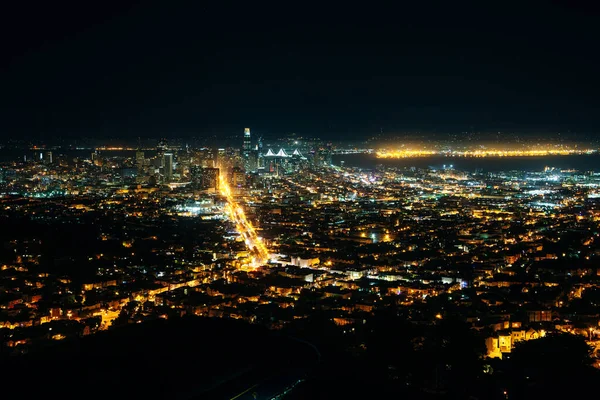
[[252, 163], [329, 154], [139, 164], [168, 166], [238, 178], [260, 162], [221, 158], [139, 160], [204, 178], [246, 148], [210, 178], [247, 144]]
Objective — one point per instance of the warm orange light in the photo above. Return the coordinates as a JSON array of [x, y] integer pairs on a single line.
[[407, 153], [243, 226]]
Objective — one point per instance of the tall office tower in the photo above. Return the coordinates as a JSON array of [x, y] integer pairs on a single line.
[[196, 176], [161, 149], [140, 165], [253, 160], [215, 157], [210, 178], [238, 178], [139, 161], [221, 159], [246, 145], [246, 148], [329, 154], [48, 157], [260, 162], [168, 166], [204, 178]]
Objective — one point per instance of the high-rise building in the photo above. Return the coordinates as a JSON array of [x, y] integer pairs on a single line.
[[260, 161], [204, 178], [329, 154], [252, 164], [221, 160], [238, 178], [161, 149], [247, 140], [140, 165], [48, 157], [168, 166], [196, 176], [139, 161], [246, 148], [210, 178]]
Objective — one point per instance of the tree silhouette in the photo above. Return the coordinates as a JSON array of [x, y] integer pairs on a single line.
[[445, 357], [556, 365]]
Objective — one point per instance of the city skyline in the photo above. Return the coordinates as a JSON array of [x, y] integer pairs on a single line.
[[401, 257]]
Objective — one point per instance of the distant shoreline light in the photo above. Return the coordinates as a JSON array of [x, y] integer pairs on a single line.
[[482, 153]]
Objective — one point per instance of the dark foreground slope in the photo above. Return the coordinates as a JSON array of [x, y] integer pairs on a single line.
[[189, 358]]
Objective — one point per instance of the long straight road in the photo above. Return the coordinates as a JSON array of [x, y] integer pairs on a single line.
[[260, 253]]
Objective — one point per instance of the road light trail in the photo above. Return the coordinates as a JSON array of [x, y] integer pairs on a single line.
[[260, 253]]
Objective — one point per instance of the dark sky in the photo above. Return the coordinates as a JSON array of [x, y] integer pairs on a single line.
[[178, 68]]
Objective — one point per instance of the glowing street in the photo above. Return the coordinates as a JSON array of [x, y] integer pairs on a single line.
[[258, 250]]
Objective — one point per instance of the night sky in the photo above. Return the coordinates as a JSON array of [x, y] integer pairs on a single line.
[[351, 69]]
